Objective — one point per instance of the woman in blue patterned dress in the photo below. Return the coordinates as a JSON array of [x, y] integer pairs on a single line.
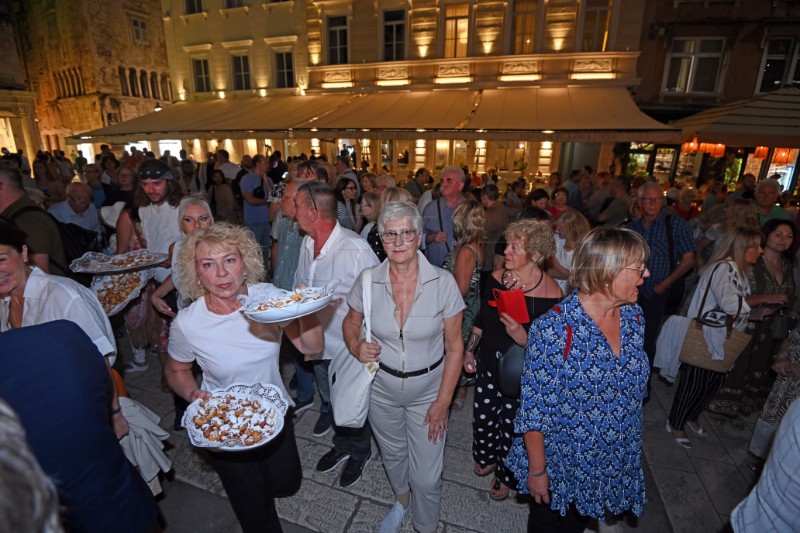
[[579, 425]]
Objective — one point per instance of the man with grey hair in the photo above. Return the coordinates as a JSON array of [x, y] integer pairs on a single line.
[[767, 192], [438, 216], [671, 257], [329, 252], [78, 208]]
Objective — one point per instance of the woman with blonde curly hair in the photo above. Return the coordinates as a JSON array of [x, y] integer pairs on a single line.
[[464, 261], [215, 266], [530, 243]]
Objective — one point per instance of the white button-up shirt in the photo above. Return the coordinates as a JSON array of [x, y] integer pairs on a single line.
[[343, 256]]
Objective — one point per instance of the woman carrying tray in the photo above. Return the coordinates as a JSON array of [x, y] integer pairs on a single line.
[[214, 267]]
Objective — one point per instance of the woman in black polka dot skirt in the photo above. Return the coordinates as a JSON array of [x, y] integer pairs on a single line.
[[530, 243]]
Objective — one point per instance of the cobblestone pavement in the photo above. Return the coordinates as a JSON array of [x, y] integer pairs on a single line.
[[689, 490]]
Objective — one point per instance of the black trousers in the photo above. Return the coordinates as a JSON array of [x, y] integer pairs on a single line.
[[253, 479], [542, 519], [653, 311], [696, 388]]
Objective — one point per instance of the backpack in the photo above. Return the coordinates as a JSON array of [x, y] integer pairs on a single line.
[[75, 241]]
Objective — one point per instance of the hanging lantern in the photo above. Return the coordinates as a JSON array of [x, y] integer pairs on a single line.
[[782, 156], [761, 152], [717, 150]]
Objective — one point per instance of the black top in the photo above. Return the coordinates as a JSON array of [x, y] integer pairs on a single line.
[[495, 339]]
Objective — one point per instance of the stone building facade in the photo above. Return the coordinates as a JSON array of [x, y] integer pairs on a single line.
[[91, 63], [17, 117], [233, 49]]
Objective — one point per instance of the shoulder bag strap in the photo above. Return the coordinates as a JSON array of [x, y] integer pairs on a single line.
[[366, 288], [441, 225], [670, 241], [730, 318]]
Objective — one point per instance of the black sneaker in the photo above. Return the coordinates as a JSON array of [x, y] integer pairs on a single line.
[[299, 406], [323, 425], [331, 460], [353, 470]]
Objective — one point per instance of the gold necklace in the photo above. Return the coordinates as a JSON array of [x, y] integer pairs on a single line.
[[214, 309]]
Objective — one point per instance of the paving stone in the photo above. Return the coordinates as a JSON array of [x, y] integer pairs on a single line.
[[708, 447], [660, 449], [724, 483], [319, 508], [689, 507], [458, 467], [471, 508], [369, 516]]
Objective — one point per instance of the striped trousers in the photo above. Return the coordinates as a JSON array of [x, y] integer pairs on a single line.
[[696, 388]]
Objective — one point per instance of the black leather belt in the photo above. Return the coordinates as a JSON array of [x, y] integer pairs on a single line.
[[404, 375]]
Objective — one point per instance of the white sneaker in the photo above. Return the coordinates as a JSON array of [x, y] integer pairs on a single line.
[[394, 519]]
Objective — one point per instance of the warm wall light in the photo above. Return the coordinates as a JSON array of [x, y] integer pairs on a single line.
[[592, 76], [548, 132], [337, 85], [262, 92], [519, 77], [761, 152], [157, 108], [391, 83], [691, 146], [221, 95], [783, 156], [454, 79]]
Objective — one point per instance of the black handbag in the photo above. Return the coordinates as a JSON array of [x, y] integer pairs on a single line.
[[510, 366]]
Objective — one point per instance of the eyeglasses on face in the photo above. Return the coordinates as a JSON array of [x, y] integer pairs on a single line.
[[641, 270], [380, 187], [407, 235], [350, 188]]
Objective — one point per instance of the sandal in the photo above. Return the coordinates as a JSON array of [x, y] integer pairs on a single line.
[[700, 431], [483, 471], [683, 441], [498, 491]]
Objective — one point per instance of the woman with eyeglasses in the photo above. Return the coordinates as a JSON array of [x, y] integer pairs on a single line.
[[578, 449], [416, 340], [392, 194], [347, 194]]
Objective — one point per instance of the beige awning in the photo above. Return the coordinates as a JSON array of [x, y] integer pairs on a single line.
[[220, 119], [589, 114], [581, 113], [772, 119]]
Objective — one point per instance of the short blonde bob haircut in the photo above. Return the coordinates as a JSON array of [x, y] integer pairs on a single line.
[[217, 235], [602, 254], [536, 237], [469, 222]]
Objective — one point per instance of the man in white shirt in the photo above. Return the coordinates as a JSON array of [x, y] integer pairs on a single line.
[[78, 208], [328, 252], [224, 164]]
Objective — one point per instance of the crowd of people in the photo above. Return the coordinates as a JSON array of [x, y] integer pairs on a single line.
[[578, 275]]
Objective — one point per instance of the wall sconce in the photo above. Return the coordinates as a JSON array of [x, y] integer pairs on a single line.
[[761, 152], [262, 92], [221, 95], [157, 108]]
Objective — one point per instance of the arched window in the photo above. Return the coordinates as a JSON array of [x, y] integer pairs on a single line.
[[165, 88], [79, 78], [123, 82], [154, 85], [57, 84], [144, 85], [134, 81]]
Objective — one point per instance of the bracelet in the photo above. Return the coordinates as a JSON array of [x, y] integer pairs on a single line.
[[472, 341], [115, 411], [538, 474]]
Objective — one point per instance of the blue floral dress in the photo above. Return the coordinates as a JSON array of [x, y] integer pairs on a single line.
[[588, 405]]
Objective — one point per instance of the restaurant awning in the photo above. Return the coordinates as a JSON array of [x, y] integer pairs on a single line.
[[772, 119], [219, 119], [580, 113]]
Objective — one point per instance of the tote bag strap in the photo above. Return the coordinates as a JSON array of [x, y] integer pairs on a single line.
[[366, 288], [730, 319]]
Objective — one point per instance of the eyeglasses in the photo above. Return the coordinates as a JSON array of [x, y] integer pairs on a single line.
[[653, 200], [80, 199], [311, 196], [381, 187], [641, 270], [407, 235], [350, 188]]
